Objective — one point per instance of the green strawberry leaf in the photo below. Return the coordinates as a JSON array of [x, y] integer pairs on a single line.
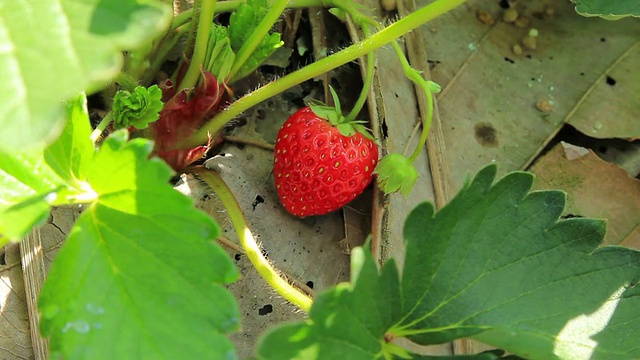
[[241, 24], [495, 264], [55, 49], [27, 188], [139, 268], [33, 180], [137, 109], [607, 9], [70, 154], [347, 322]]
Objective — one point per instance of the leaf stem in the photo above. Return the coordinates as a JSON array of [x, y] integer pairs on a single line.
[[202, 39], [253, 251], [181, 19], [106, 120], [333, 61], [276, 9], [368, 79]]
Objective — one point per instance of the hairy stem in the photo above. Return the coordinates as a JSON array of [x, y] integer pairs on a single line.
[[414, 75], [254, 40], [106, 120], [351, 53], [202, 39], [368, 79], [253, 251], [160, 56]]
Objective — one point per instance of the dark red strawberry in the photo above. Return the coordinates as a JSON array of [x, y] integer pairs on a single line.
[[322, 162]]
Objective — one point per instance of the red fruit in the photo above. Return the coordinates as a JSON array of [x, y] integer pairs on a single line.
[[317, 169]]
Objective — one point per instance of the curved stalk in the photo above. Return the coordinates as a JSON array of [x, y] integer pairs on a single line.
[[253, 251], [331, 62], [413, 75]]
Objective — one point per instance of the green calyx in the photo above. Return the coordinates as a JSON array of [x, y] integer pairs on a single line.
[[335, 117], [396, 173]]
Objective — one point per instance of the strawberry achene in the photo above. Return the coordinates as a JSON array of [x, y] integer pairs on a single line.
[[317, 169]]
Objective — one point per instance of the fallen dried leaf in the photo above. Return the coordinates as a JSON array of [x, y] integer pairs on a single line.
[[595, 188]]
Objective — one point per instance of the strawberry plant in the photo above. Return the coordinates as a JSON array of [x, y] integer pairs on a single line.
[[139, 276]]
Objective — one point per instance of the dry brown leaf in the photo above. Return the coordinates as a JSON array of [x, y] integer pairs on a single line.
[[488, 103], [595, 189], [611, 109]]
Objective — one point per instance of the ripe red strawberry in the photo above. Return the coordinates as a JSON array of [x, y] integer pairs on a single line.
[[318, 167]]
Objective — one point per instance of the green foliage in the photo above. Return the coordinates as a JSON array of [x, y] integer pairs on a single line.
[[137, 109], [139, 268], [139, 275], [33, 180], [220, 56], [27, 188], [242, 23], [59, 48], [494, 264], [607, 9], [70, 154]]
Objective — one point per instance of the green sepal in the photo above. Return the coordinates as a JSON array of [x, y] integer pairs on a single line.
[[346, 129], [433, 87], [335, 117], [364, 131], [336, 100], [396, 173], [326, 112], [138, 108]]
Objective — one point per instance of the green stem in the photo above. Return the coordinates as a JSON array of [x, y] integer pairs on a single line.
[[331, 62], [193, 26], [126, 81], [106, 120], [414, 75], [368, 79], [168, 43], [202, 39], [253, 251], [426, 126], [254, 40], [181, 19]]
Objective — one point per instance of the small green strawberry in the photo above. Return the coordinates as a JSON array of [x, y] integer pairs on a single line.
[[322, 161]]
